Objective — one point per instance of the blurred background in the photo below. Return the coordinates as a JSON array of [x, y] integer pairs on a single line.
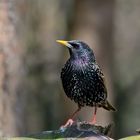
[[31, 94]]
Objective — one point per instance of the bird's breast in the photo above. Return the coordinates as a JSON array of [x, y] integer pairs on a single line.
[[83, 83]]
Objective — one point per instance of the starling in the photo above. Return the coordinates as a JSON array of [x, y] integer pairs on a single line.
[[83, 80]]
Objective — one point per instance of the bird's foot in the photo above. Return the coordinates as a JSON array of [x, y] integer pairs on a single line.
[[68, 123], [93, 122]]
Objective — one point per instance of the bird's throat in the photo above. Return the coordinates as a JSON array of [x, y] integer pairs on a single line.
[[80, 62]]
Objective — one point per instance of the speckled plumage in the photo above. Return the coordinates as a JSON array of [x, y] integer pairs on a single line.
[[84, 86], [82, 79]]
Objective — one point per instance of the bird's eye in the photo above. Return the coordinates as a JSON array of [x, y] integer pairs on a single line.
[[76, 46]]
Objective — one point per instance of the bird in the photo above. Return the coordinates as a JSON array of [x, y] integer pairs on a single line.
[[83, 80]]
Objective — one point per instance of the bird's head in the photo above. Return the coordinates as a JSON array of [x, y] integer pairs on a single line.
[[78, 49]]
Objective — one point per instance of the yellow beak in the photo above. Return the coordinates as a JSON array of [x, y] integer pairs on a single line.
[[65, 43]]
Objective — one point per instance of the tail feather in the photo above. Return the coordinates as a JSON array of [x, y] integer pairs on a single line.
[[108, 106]]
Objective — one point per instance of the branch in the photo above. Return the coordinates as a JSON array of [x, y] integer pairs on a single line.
[[78, 130]]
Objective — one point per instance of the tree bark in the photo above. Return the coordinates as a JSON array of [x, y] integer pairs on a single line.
[[11, 72]]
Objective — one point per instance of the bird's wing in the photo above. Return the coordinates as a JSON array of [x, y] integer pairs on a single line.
[[106, 105], [101, 75]]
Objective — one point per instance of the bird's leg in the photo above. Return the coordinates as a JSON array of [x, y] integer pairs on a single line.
[[94, 116], [70, 121]]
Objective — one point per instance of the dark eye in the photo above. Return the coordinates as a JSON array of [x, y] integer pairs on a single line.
[[76, 46]]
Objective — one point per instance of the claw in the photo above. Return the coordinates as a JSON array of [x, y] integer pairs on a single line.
[[68, 123]]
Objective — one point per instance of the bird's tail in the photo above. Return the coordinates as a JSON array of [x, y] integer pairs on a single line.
[[108, 106]]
